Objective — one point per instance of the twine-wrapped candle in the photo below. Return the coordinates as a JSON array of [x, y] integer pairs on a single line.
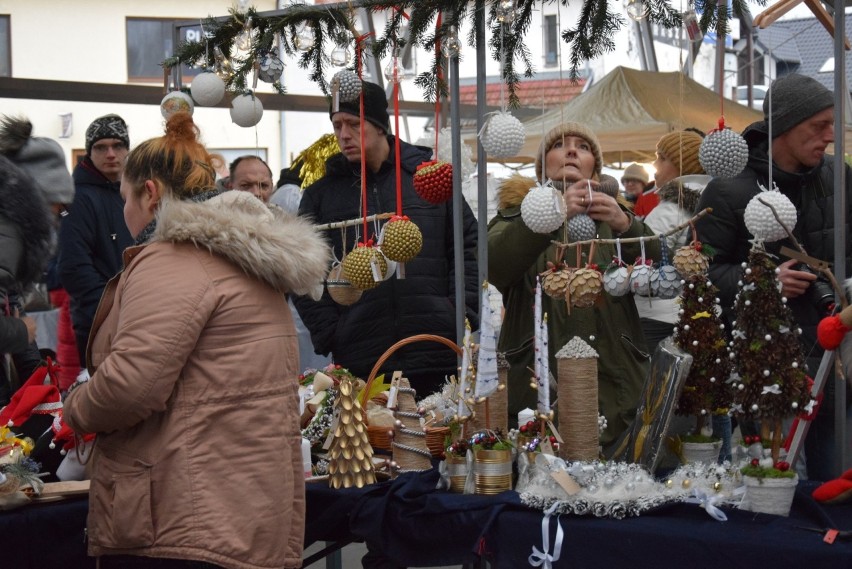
[[409, 442], [577, 400]]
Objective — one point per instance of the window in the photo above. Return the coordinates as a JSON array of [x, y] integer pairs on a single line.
[[551, 41], [5, 48], [149, 42]]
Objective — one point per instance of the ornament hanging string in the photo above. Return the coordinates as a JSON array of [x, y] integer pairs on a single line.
[[440, 76], [359, 54], [398, 160]]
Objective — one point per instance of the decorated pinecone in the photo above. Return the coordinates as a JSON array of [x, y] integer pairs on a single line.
[[543, 210], [581, 227], [584, 287], [347, 84], [723, 153], [502, 136], [760, 221], [616, 280], [689, 260], [668, 282], [640, 278], [433, 181], [270, 67], [358, 266], [401, 239], [555, 282]]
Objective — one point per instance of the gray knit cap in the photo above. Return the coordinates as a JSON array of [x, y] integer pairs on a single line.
[[107, 126], [42, 158], [795, 98]]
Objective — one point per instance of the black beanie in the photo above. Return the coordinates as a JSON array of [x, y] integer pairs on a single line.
[[107, 126], [375, 106], [795, 98]]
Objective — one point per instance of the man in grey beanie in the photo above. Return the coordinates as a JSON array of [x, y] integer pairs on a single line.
[[798, 125]]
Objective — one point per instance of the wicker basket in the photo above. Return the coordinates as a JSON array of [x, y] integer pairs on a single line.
[[380, 437]]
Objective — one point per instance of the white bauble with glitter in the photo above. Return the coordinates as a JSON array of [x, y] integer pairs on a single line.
[[760, 221], [581, 227], [723, 153], [246, 110], [207, 89], [543, 209], [502, 136], [175, 102]]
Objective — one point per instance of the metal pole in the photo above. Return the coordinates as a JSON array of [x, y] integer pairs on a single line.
[[458, 199], [481, 158]]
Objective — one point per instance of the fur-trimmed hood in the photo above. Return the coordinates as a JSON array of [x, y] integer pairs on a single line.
[[513, 190], [285, 251], [684, 191]]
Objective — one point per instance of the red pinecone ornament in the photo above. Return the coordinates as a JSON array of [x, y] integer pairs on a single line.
[[433, 181]]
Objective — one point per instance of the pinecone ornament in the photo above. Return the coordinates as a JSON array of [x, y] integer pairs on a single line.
[[668, 283], [401, 239], [584, 287], [616, 279], [543, 209], [364, 267], [723, 153], [761, 222], [346, 84], [689, 260], [502, 136], [433, 181], [581, 227], [270, 67], [555, 281], [640, 278]]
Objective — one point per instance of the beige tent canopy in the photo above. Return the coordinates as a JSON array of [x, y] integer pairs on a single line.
[[630, 110]]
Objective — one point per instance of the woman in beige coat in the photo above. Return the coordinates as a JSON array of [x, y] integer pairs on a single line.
[[193, 360]]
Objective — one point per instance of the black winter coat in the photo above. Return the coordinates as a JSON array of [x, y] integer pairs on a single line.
[[92, 238], [812, 193], [422, 303]]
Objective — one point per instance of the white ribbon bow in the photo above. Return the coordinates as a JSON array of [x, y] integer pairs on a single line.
[[543, 558], [708, 502], [774, 389]]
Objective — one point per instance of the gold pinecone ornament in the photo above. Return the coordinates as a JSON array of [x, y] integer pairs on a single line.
[[689, 260], [350, 461], [584, 287], [401, 239], [555, 281], [359, 265]]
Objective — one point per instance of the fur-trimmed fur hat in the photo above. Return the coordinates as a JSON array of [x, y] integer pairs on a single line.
[[42, 158], [568, 129]]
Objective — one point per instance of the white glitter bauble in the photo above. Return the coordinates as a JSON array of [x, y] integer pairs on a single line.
[[207, 89], [246, 110], [543, 209], [581, 227], [502, 136], [348, 85], [175, 102], [760, 221], [616, 281], [723, 153]]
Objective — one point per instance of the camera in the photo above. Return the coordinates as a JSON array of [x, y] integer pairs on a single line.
[[820, 293]]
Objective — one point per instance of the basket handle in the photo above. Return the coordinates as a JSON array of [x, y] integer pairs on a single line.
[[404, 342]]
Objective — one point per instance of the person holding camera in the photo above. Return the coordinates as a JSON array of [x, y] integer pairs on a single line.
[[802, 126]]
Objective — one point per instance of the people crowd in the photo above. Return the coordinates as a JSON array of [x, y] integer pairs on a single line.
[[190, 305]]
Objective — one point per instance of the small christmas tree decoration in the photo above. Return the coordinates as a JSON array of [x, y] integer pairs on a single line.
[[246, 110], [584, 287], [346, 84], [364, 267], [503, 135], [410, 452], [350, 456], [761, 222], [723, 152], [433, 181], [401, 239], [691, 260], [543, 209], [554, 281], [175, 102], [581, 227], [270, 68], [668, 282], [207, 89]]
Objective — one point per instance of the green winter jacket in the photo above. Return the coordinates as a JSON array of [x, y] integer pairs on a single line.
[[515, 256]]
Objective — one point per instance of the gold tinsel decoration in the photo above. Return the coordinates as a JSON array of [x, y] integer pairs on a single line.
[[584, 287], [310, 163], [688, 261], [350, 458], [358, 269], [402, 239]]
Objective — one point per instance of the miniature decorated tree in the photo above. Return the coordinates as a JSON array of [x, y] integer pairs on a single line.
[[700, 333], [350, 456], [767, 352]]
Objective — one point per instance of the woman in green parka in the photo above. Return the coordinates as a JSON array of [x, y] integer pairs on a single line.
[[516, 254]]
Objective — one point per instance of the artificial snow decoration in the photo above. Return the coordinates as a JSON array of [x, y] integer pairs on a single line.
[[581, 227], [543, 209], [270, 68], [761, 222], [246, 110], [207, 89], [502, 136], [346, 84], [723, 153], [175, 102]]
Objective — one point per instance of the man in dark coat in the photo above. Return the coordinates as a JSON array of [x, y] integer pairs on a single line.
[[422, 302], [93, 235], [802, 126]]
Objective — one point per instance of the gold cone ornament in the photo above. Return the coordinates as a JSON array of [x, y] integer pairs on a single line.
[[365, 266], [689, 260], [401, 239], [350, 456], [584, 287]]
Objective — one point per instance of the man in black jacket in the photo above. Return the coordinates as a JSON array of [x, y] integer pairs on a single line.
[[93, 235], [802, 126], [422, 302]]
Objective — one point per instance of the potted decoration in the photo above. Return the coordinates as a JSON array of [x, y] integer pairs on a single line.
[[772, 384], [456, 464], [492, 462], [706, 392]]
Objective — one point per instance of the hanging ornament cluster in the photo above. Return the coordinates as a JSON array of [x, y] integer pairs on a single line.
[[401, 239], [503, 135], [761, 222], [723, 152], [207, 89], [543, 209], [433, 181], [270, 67], [246, 110], [176, 102], [365, 267]]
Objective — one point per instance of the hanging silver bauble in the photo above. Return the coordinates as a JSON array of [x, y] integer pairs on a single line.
[[270, 67], [723, 153], [347, 84]]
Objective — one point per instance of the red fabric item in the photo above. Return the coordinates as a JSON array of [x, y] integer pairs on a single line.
[[66, 341], [39, 395], [646, 203], [835, 491], [830, 332]]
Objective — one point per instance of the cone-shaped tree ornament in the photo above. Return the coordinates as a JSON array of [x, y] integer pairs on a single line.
[[410, 453], [350, 456]]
